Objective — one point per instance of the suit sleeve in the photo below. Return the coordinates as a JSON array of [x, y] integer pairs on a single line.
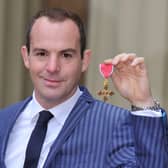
[[140, 142], [151, 141]]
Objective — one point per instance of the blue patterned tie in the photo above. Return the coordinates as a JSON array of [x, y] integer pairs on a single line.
[[36, 140]]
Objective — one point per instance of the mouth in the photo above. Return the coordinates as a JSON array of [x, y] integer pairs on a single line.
[[52, 82]]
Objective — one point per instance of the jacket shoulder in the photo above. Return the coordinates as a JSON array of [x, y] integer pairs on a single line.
[[7, 111]]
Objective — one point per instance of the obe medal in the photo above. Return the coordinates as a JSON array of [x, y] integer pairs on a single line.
[[105, 70]]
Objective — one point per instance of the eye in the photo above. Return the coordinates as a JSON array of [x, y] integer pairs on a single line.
[[41, 54], [67, 55]]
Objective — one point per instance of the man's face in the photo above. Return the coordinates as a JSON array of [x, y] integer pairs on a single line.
[[54, 60]]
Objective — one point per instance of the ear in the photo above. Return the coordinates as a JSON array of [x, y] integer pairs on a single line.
[[25, 56], [86, 59]]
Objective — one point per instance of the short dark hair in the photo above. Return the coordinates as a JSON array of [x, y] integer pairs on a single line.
[[59, 14]]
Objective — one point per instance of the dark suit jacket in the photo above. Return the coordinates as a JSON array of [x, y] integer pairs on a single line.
[[98, 135]]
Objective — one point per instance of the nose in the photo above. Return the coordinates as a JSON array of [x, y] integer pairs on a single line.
[[53, 64]]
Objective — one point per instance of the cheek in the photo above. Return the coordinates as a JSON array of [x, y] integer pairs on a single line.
[[35, 70], [74, 71], [36, 66]]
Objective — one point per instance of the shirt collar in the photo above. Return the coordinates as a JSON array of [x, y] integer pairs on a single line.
[[60, 111]]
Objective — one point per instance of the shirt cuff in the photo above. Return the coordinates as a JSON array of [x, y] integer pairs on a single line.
[[147, 113]]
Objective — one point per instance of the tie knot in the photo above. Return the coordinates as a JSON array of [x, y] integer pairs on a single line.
[[45, 116]]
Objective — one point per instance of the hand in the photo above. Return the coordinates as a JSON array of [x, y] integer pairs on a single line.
[[131, 79]]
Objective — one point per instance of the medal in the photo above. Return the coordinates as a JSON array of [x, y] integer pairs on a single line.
[[105, 70]]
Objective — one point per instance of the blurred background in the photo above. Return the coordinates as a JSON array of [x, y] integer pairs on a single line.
[[113, 27]]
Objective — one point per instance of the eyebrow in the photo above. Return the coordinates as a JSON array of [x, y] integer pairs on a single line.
[[39, 49], [61, 51], [69, 50]]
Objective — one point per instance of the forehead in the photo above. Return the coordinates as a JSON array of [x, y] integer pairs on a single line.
[[45, 25], [54, 35]]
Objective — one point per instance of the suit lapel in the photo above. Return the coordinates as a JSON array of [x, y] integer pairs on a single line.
[[80, 109], [10, 116]]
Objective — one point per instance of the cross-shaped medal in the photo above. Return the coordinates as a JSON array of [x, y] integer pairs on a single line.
[[105, 70]]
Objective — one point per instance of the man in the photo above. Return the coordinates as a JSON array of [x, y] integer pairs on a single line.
[[82, 132]]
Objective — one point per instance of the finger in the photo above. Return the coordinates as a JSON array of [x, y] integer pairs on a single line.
[[138, 61], [108, 61], [117, 58], [128, 57], [124, 57]]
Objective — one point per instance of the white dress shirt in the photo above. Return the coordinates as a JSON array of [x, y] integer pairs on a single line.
[[19, 138]]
